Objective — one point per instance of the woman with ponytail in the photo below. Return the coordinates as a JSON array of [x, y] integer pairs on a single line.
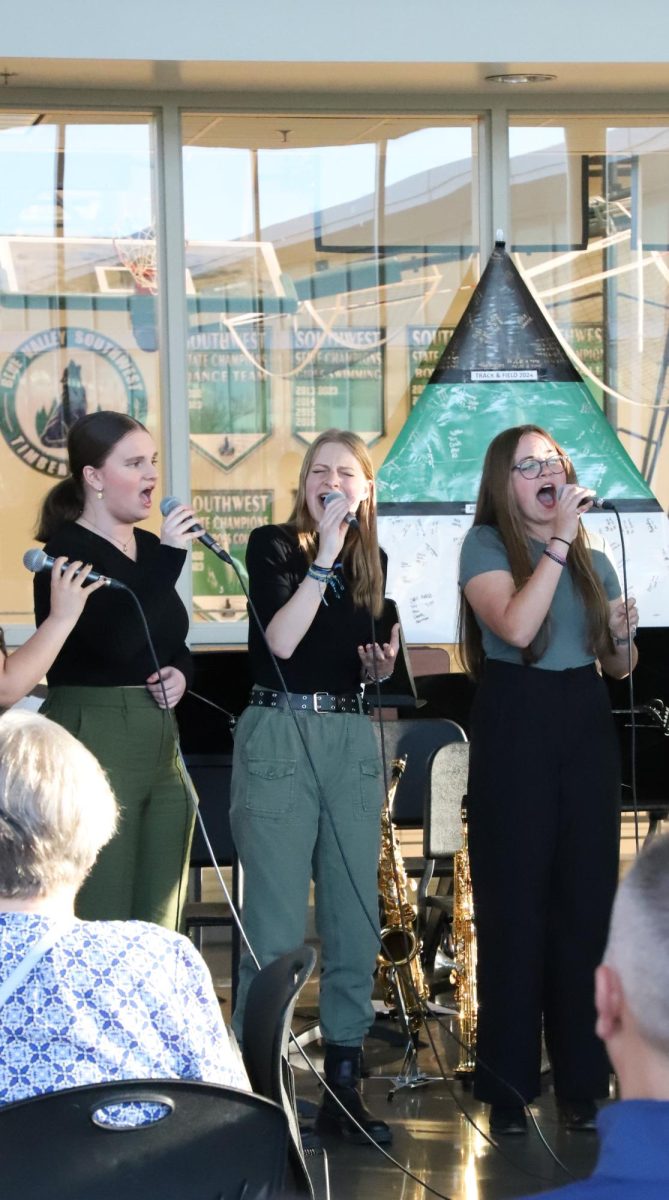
[[317, 583], [541, 607], [103, 686]]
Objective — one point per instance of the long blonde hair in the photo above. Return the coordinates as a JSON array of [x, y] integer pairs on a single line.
[[360, 556], [497, 506]]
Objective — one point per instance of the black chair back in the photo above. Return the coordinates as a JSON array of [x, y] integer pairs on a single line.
[[270, 1003], [213, 1141], [418, 739]]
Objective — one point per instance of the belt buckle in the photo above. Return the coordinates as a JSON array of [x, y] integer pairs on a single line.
[[317, 707]]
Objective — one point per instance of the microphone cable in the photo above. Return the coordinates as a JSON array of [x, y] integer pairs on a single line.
[[417, 999], [370, 920], [171, 719], [192, 796]]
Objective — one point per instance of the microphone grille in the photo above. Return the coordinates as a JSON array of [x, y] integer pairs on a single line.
[[34, 560], [330, 497], [168, 504]]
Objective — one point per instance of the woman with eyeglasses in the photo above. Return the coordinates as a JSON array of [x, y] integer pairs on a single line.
[[541, 607]]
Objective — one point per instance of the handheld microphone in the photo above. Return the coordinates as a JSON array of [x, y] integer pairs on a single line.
[[38, 560], [349, 519], [169, 503], [591, 498]]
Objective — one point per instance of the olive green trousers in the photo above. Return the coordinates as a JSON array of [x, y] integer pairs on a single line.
[[142, 873], [288, 831]]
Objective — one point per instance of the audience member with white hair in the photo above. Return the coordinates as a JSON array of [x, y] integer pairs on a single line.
[[632, 998], [85, 1002]]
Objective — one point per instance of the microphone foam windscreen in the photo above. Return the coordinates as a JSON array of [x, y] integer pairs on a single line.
[[168, 504], [34, 559]]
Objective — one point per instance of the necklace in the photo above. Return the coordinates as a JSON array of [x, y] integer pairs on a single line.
[[109, 536]]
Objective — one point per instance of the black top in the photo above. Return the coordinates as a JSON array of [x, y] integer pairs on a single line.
[[326, 660], [107, 647]]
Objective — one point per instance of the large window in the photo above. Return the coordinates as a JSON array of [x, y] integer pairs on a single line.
[[78, 288], [590, 224], [327, 261]]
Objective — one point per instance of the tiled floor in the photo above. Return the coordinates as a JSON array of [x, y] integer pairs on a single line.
[[434, 1140]]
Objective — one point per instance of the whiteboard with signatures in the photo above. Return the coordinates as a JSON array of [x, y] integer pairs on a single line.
[[423, 553]]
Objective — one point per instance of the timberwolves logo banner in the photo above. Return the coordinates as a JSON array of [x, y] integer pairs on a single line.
[[55, 377]]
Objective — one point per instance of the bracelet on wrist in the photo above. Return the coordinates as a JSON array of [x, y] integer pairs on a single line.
[[562, 562], [623, 641], [555, 538], [320, 574], [376, 679]]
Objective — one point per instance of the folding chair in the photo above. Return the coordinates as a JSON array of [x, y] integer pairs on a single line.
[[208, 1141]]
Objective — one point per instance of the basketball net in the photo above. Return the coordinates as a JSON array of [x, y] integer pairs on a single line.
[[138, 254]]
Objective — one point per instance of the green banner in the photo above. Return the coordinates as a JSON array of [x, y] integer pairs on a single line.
[[438, 454], [229, 516], [338, 382], [228, 394]]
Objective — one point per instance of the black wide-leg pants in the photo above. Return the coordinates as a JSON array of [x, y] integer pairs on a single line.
[[544, 834]]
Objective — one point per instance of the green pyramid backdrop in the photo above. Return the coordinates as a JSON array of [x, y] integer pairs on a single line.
[[503, 366]]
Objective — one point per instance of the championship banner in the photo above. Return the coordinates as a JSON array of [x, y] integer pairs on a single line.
[[425, 345], [228, 394], [340, 384], [229, 516]]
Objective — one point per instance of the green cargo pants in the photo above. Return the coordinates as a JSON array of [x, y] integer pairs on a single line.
[[284, 838]]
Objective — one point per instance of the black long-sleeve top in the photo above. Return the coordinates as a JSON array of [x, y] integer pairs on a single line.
[[107, 647], [326, 659]]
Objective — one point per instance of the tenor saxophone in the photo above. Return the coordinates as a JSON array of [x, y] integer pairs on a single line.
[[463, 975], [400, 968]]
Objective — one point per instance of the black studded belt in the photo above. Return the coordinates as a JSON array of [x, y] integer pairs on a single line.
[[318, 702]]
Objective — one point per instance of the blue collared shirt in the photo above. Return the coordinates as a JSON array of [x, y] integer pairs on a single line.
[[633, 1160]]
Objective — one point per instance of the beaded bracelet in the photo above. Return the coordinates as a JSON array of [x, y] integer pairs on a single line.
[[559, 539], [562, 562]]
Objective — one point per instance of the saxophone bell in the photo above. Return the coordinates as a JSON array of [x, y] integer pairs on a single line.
[[398, 946]]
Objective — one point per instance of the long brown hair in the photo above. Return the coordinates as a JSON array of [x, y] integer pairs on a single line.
[[89, 443], [360, 555], [497, 506]]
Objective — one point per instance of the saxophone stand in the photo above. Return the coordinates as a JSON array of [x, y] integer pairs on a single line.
[[409, 1076]]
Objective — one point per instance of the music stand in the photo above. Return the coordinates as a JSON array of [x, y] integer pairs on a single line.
[[400, 690]]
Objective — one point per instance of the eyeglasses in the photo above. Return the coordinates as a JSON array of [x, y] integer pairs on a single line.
[[532, 468]]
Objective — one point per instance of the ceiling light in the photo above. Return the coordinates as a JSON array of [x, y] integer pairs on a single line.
[[520, 78]]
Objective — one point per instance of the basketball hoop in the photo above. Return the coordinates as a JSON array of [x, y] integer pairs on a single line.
[[137, 253]]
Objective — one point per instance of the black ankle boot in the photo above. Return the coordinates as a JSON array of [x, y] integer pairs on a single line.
[[342, 1074]]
